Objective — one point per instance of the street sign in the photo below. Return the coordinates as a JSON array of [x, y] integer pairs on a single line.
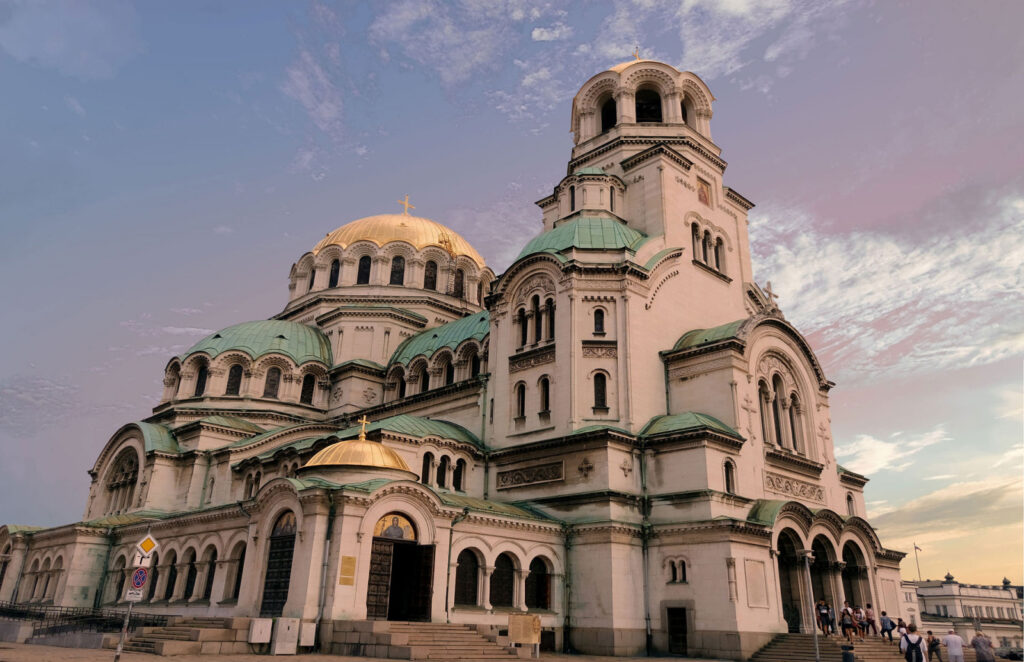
[[137, 586], [147, 545], [140, 560]]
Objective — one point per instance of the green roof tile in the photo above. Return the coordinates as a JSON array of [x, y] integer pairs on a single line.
[[485, 506], [261, 437], [699, 337], [157, 438], [587, 233], [232, 422], [686, 421], [300, 342], [415, 426], [477, 326]]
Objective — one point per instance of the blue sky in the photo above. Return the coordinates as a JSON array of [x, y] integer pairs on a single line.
[[162, 165]]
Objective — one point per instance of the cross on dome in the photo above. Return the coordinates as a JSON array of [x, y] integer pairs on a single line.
[[405, 203], [636, 52], [364, 421]]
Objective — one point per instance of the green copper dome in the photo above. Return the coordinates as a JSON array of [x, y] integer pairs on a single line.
[[299, 342], [588, 233]]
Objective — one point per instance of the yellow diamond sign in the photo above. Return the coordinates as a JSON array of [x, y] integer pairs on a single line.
[[147, 545]]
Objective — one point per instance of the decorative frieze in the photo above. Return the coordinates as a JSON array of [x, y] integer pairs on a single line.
[[531, 359], [540, 473], [791, 487], [596, 351]]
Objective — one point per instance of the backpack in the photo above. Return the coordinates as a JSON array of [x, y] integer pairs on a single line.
[[914, 653], [847, 619]]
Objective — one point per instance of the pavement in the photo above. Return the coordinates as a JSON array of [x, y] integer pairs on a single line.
[[30, 653]]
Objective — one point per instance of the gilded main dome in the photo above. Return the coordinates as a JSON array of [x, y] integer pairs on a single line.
[[385, 228], [359, 453]]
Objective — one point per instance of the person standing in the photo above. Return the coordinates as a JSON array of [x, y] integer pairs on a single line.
[[846, 622], [934, 647], [982, 646], [954, 646], [861, 620], [912, 645], [869, 613], [822, 610], [887, 627]]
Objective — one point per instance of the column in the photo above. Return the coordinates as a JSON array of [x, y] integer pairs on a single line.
[[786, 441], [202, 577], [807, 623], [625, 104], [519, 596], [452, 570], [837, 583], [179, 584], [485, 594], [227, 570], [162, 575], [674, 102]]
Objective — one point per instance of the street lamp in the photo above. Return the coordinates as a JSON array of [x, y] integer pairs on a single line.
[[808, 557]]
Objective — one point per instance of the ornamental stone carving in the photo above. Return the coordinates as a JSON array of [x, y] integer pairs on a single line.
[[600, 352], [791, 487], [540, 473], [517, 363]]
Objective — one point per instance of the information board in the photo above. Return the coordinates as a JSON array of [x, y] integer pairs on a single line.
[[524, 628]]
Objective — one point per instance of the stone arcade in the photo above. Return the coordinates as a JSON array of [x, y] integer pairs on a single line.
[[621, 433]]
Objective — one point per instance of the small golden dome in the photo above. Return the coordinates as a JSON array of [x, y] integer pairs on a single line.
[[359, 453], [622, 66], [385, 228]]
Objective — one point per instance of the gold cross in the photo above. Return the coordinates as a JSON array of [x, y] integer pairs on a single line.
[[405, 203], [362, 433], [772, 296], [636, 53]]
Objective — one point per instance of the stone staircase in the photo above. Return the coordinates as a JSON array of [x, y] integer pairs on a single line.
[[189, 636], [800, 648], [415, 641]]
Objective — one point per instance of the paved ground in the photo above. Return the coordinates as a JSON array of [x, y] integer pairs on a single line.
[[26, 653]]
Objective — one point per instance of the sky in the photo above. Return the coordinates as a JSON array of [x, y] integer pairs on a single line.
[[162, 165]]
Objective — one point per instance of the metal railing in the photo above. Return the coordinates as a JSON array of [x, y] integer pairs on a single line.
[[60, 620]]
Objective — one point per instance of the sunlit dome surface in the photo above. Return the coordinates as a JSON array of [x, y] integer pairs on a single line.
[[413, 230]]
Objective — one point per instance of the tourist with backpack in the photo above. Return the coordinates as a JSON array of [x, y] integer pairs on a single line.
[[934, 647], [912, 645], [887, 627]]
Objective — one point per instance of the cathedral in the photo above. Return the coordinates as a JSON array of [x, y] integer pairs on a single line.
[[621, 433]]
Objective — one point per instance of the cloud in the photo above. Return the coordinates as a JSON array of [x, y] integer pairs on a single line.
[[30, 404], [143, 327], [74, 105], [187, 311], [940, 477], [556, 32], [879, 305], [87, 39], [309, 83], [223, 229], [869, 455]]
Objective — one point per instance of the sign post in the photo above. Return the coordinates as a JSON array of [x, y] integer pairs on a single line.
[[137, 587]]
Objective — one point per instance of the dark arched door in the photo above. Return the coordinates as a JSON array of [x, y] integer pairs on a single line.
[[789, 579], [400, 585], [279, 566]]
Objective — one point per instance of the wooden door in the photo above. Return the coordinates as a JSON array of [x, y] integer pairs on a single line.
[[676, 630], [278, 577], [378, 587], [423, 591]]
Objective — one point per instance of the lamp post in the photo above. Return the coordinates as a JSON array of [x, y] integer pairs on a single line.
[[808, 557]]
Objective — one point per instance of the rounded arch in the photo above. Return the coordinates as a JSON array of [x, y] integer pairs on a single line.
[[469, 562], [729, 475], [121, 480], [408, 499]]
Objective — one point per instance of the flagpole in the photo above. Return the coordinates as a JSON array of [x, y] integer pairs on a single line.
[[918, 561]]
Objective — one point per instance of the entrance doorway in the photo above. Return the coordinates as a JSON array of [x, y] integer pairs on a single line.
[[821, 571], [279, 566], [676, 617], [401, 572], [789, 579], [855, 574]]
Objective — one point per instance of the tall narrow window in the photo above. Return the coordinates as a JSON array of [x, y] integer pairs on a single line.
[[682, 110], [851, 509], [201, 376], [442, 471], [719, 255], [459, 289], [424, 380], [707, 248], [572, 198], [401, 386], [398, 270], [363, 272], [648, 106], [467, 576], [234, 380], [312, 279], [777, 399], [611, 198], [545, 395], [765, 399], [730, 478], [538, 586], [523, 329], [239, 567], [681, 572], [609, 116], [696, 241], [480, 293], [308, 386], [538, 321], [520, 400], [449, 373], [335, 272], [430, 275], [794, 423], [474, 365], [598, 321], [272, 384], [459, 476], [428, 466], [600, 391], [549, 312]]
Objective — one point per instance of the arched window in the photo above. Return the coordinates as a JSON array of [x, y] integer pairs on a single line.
[[363, 273], [609, 115], [467, 574], [520, 400], [459, 476], [572, 198], [459, 289], [430, 275], [273, 383], [600, 391], [312, 279], [121, 578], [851, 506], [397, 270], [201, 376], [549, 312], [672, 572], [523, 329], [211, 571], [236, 586], [172, 575], [308, 385], [428, 466], [538, 322], [598, 321], [256, 479], [765, 398], [681, 571], [401, 386], [442, 471], [277, 579], [611, 198], [474, 365], [480, 293], [545, 395], [335, 272], [794, 423], [695, 230], [682, 110], [538, 586], [648, 106], [121, 480], [4, 560], [424, 379], [707, 248], [730, 478], [719, 255], [777, 399], [154, 577], [449, 373], [234, 380], [191, 574], [503, 581]]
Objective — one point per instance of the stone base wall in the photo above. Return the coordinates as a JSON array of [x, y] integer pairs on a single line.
[[15, 632], [608, 641], [70, 640]]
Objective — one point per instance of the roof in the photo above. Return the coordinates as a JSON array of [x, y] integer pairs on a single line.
[[622, 66], [689, 420], [416, 426], [590, 170], [765, 511], [358, 453], [124, 519], [455, 500], [477, 326], [300, 342], [413, 230], [364, 363], [698, 337], [232, 422], [20, 528], [587, 233], [157, 438]]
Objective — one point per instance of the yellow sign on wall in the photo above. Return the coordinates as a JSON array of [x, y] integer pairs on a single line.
[[347, 574]]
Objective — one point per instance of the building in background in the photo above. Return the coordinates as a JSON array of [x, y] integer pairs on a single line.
[[996, 610]]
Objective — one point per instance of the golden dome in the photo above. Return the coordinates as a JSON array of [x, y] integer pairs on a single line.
[[622, 66], [359, 453], [385, 228]]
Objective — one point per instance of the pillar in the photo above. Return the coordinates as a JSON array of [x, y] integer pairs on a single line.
[[162, 575], [180, 581], [227, 570], [202, 578], [485, 594], [519, 595]]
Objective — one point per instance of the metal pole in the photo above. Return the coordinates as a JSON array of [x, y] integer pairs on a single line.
[[810, 596], [124, 632], [918, 561]]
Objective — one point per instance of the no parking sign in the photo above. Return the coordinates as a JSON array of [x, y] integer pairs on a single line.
[[138, 583]]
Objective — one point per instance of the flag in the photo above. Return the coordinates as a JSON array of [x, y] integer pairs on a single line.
[[917, 549]]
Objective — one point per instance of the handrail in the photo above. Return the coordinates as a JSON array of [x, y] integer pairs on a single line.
[[48, 619]]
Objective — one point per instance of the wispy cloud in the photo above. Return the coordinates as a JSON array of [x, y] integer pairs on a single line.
[[86, 39], [307, 81], [223, 229], [75, 106], [556, 32], [868, 455]]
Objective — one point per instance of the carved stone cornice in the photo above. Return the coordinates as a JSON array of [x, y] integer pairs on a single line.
[[684, 141], [791, 487], [738, 199], [531, 358], [783, 459], [660, 149], [549, 472]]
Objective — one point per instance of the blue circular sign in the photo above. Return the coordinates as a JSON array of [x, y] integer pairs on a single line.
[[139, 577]]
